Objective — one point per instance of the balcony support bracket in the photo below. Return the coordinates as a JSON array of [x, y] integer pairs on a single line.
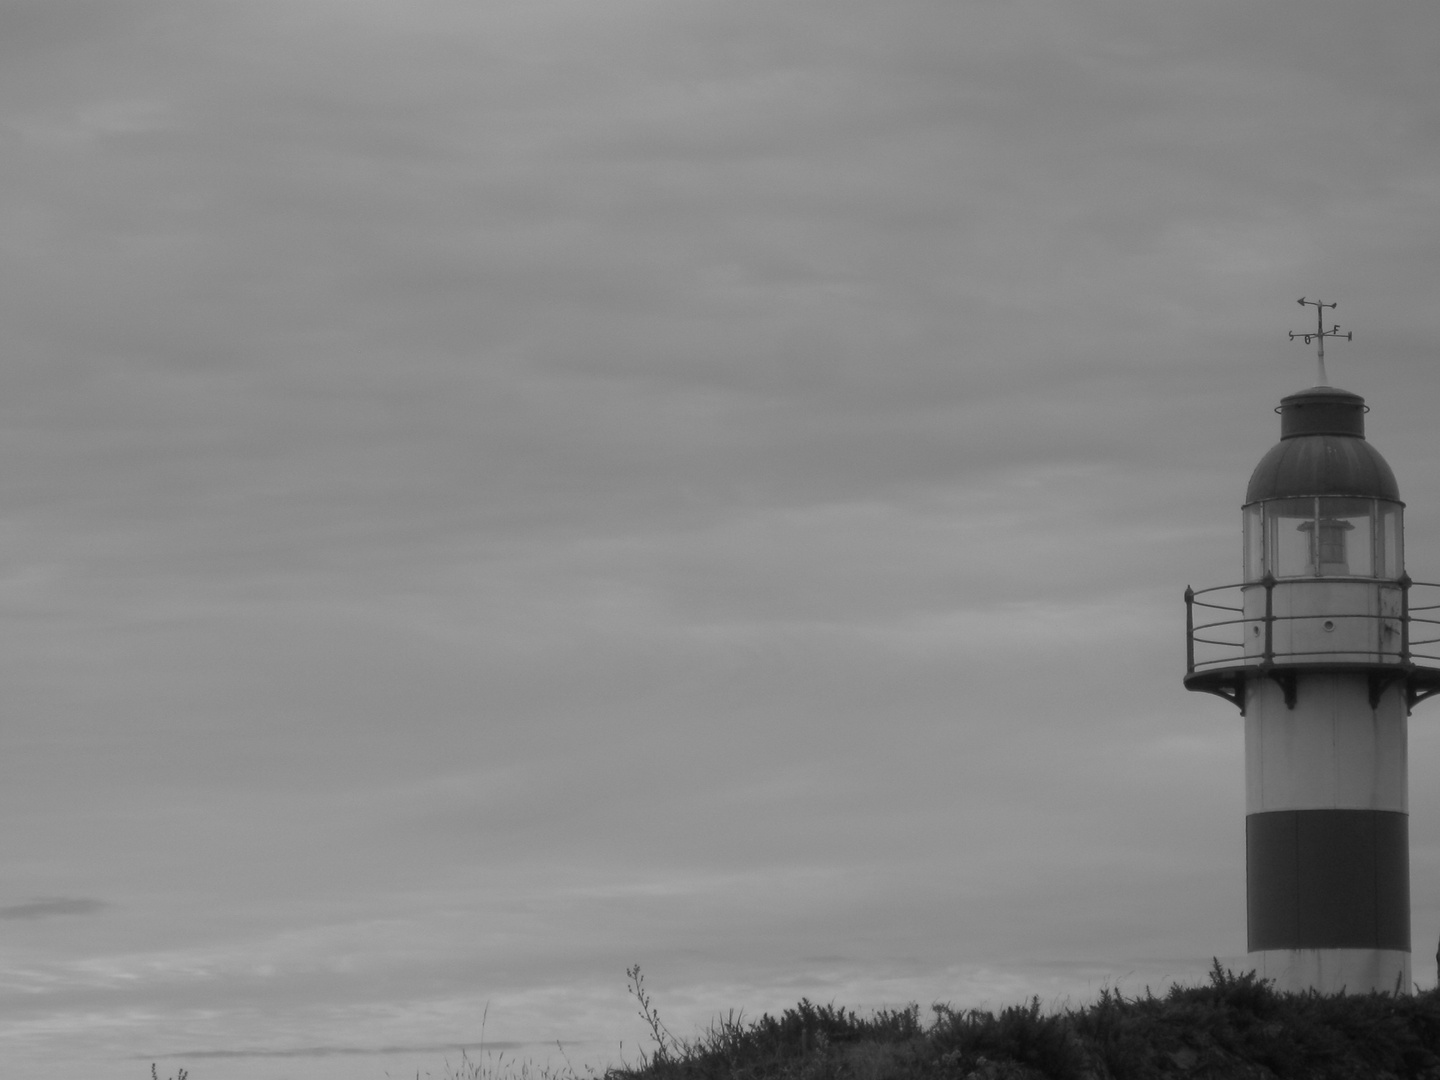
[[1286, 680]]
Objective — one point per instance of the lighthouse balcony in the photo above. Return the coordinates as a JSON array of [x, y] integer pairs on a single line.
[[1387, 628]]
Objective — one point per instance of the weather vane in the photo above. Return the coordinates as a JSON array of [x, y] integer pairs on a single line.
[[1319, 334]]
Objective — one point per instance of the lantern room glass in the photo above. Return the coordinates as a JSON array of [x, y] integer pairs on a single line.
[[1254, 542], [1288, 530], [1389, 541], [1323, 536]]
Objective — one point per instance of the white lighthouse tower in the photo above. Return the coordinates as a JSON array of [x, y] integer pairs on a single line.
[[1323, 646]]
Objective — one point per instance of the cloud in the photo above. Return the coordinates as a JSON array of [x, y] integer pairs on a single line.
[[341, 1051], [50, 906]]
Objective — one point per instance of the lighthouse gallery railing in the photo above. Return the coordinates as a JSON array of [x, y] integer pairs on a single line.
[[1254, 633], [1221, 642]]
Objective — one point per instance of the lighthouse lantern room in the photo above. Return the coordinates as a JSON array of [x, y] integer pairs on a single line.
[[1325, 646]]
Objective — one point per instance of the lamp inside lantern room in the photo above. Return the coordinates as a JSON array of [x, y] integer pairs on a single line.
[[1327, 544]]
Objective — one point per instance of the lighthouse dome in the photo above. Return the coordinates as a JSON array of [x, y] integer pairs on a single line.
[[1322, 451]]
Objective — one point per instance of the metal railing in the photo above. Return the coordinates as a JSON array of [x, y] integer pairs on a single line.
[[1224, 645]]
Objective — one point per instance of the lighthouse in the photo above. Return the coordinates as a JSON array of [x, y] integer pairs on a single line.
[[1325, 646]]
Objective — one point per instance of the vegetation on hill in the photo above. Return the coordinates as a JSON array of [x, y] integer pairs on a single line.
[[1237, 1026]]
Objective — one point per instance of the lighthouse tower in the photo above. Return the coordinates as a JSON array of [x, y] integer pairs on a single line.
[[1322, 648]]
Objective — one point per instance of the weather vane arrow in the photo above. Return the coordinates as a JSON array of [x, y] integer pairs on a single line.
[[1319, 334]]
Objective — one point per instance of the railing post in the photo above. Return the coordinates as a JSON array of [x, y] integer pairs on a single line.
[[1269, 581], [1189, 630], [1405, 619]]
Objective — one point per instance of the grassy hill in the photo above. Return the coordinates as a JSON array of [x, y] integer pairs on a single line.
[[1237, 1026]]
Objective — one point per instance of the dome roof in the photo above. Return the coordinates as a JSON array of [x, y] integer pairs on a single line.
[[1322, 451], [1322, 465]]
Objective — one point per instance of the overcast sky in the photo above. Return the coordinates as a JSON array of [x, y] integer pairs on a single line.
[[492, 492]]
